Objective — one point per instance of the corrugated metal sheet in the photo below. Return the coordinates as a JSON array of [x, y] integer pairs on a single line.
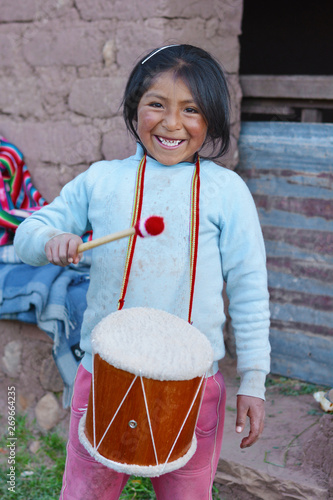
[[289, 170]]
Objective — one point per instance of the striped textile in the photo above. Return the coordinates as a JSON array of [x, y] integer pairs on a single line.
[[18, 197]]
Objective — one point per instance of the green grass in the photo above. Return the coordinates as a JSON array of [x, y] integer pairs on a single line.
[[138, 488], [141, 489], [38, 476], [292, 387]]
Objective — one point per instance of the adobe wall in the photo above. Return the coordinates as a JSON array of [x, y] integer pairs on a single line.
[[63, 67], [64, 64]]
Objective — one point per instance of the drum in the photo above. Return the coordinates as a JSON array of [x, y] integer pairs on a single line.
[[148, 378]]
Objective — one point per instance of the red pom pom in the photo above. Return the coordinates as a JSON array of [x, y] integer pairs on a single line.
[[154, 225]]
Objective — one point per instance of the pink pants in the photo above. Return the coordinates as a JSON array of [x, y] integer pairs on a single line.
[[86, 479]]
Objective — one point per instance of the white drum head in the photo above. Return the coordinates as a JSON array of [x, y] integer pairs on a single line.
[[152, 343]]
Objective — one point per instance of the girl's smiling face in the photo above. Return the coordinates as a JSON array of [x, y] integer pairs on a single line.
[[169, 123]]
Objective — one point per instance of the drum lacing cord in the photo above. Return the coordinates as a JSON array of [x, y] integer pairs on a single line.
[[93, 398], [184, 422], [114, 416], [148, 416]]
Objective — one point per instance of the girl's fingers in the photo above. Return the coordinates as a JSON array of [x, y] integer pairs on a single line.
[[254, 408], [73, 256], [62, 250]]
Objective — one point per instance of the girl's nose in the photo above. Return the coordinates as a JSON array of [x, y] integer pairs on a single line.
[[172, 120]]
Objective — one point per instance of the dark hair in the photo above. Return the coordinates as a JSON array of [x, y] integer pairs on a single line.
[[205, 79]]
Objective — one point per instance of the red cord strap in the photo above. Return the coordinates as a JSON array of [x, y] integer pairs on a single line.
[[137, 207], [194, 230]]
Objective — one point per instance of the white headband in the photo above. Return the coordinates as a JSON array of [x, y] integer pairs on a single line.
[[159, 50]]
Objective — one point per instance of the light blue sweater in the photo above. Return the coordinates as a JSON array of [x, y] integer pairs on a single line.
[[231, 248]]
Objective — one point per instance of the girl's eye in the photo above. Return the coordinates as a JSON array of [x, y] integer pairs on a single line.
[[155, 104], [191, 110]]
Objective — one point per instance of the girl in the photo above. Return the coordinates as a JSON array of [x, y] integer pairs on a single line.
[[176, 105]]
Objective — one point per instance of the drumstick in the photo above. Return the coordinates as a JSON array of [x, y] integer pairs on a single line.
[[152, 226]]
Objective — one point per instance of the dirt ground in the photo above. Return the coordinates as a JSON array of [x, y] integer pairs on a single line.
[[293, 459]]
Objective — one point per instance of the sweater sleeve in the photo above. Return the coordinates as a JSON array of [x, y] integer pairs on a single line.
[[68, 213], [244, 270]]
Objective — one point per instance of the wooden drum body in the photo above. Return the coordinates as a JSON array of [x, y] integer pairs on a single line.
[[148, 380]]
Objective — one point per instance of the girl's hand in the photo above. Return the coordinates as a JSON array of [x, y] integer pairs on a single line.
[[62, 250], [254, 408]]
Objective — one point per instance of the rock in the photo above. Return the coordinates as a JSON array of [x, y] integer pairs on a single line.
[[49, 376], [263, 486], [25, 401], [318, 451], [47, 411], [109, 53], [35, 446], [12, 358]]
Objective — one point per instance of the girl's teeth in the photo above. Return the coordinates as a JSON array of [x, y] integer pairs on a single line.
[[169, 143]]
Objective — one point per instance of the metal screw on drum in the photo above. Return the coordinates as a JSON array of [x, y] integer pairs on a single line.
[[132, 424]]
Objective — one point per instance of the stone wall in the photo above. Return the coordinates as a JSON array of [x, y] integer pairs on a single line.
[[63, 67], [26, 363], [64, 64]]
